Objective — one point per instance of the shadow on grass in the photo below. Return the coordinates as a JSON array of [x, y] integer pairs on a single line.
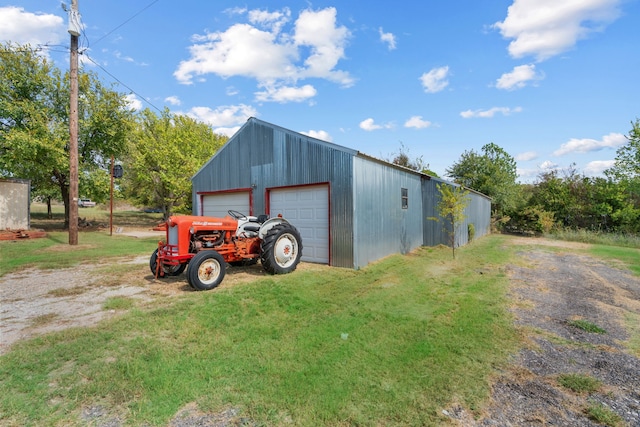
[[233, 274]]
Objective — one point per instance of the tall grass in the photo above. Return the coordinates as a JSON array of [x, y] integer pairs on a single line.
[[595, 237], [391, 344]]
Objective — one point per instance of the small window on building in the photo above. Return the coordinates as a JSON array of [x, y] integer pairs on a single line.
[[405, 198]]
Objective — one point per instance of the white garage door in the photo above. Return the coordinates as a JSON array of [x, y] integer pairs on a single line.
[[217, 205], [307, 208]]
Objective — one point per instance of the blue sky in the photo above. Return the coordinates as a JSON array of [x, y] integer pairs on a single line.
[[553, 83]]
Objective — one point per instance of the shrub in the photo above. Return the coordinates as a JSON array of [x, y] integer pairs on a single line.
[[471, 229]]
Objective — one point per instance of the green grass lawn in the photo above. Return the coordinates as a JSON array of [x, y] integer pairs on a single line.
[[392, 344], [99, 215]]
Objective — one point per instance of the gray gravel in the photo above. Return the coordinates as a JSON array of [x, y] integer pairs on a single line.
[[551, 291]]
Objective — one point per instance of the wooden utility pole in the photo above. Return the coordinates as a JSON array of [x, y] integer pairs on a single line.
[[111, 200], [74, 30]]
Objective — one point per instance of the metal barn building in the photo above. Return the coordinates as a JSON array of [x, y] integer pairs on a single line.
[[350, 208]]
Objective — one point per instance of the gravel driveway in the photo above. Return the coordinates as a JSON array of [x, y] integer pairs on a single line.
[[549, 293], [549, 290]]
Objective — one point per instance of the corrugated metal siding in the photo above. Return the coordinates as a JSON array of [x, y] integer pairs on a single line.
[[381, 226], [264, 156], [478, 213], [435, 231], [367, 221]]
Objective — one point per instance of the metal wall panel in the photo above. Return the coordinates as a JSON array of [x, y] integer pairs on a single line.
[[263, 156], [15, 203], [478, 213], [366, 221], [381, 225]]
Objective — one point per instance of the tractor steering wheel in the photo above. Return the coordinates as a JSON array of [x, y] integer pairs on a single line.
[[236, 214]]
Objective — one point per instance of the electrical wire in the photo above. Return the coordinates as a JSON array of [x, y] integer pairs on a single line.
[[125, 22], [122, 83], [88, 44]]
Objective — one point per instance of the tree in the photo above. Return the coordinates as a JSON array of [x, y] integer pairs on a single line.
[[451, 206], [581, 202], [34, 122], [627, 165], [165, 152], [626, 170], [401, 158], [492, 173]]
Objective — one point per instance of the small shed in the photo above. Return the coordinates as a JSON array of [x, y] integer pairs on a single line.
[[350, 208], [15, 198]]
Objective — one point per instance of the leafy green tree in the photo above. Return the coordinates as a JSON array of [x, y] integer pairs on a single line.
[[492, 173], [626, 170], [451, 206], [34, 122], [581, 202], [165, 152], [627, 165]]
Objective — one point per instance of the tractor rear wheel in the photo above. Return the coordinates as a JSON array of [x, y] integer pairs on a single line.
[[169, 270], [281, 249], [206, 270]]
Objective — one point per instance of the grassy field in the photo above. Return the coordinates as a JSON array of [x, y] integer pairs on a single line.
[[394, 343], [391, 344], [99, 216]]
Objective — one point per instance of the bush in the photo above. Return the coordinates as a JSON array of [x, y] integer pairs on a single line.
[[531, 220]]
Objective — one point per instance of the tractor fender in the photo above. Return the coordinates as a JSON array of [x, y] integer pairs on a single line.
[[269, 224]]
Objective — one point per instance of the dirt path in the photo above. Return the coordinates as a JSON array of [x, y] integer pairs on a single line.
[[551, 292], [549, 289]]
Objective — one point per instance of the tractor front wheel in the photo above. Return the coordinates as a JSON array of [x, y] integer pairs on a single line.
[[206, 270], [281, 249], [169, 270]]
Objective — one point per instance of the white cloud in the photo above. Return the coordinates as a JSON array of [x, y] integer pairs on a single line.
[[370, 125], [225, 120], [36, 29], [318, 31], [173, 100], [286, 94], [133, 102], [242, 50], [548, 166], [487, 114], [227, 131], [613, 140], [417, 122], [545, 28], [527, 174], [597, 167], [519, 77], [435, 80], [526, 156], [387, 38], [312, 48], [319, 134], [271, 20]]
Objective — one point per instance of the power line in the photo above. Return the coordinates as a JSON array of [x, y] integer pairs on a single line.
[[125, 22], [122, 83]]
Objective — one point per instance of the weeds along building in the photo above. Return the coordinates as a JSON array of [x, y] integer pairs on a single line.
[[350, 208]]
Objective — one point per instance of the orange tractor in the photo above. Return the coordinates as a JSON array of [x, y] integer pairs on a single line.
[[208, 244]]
